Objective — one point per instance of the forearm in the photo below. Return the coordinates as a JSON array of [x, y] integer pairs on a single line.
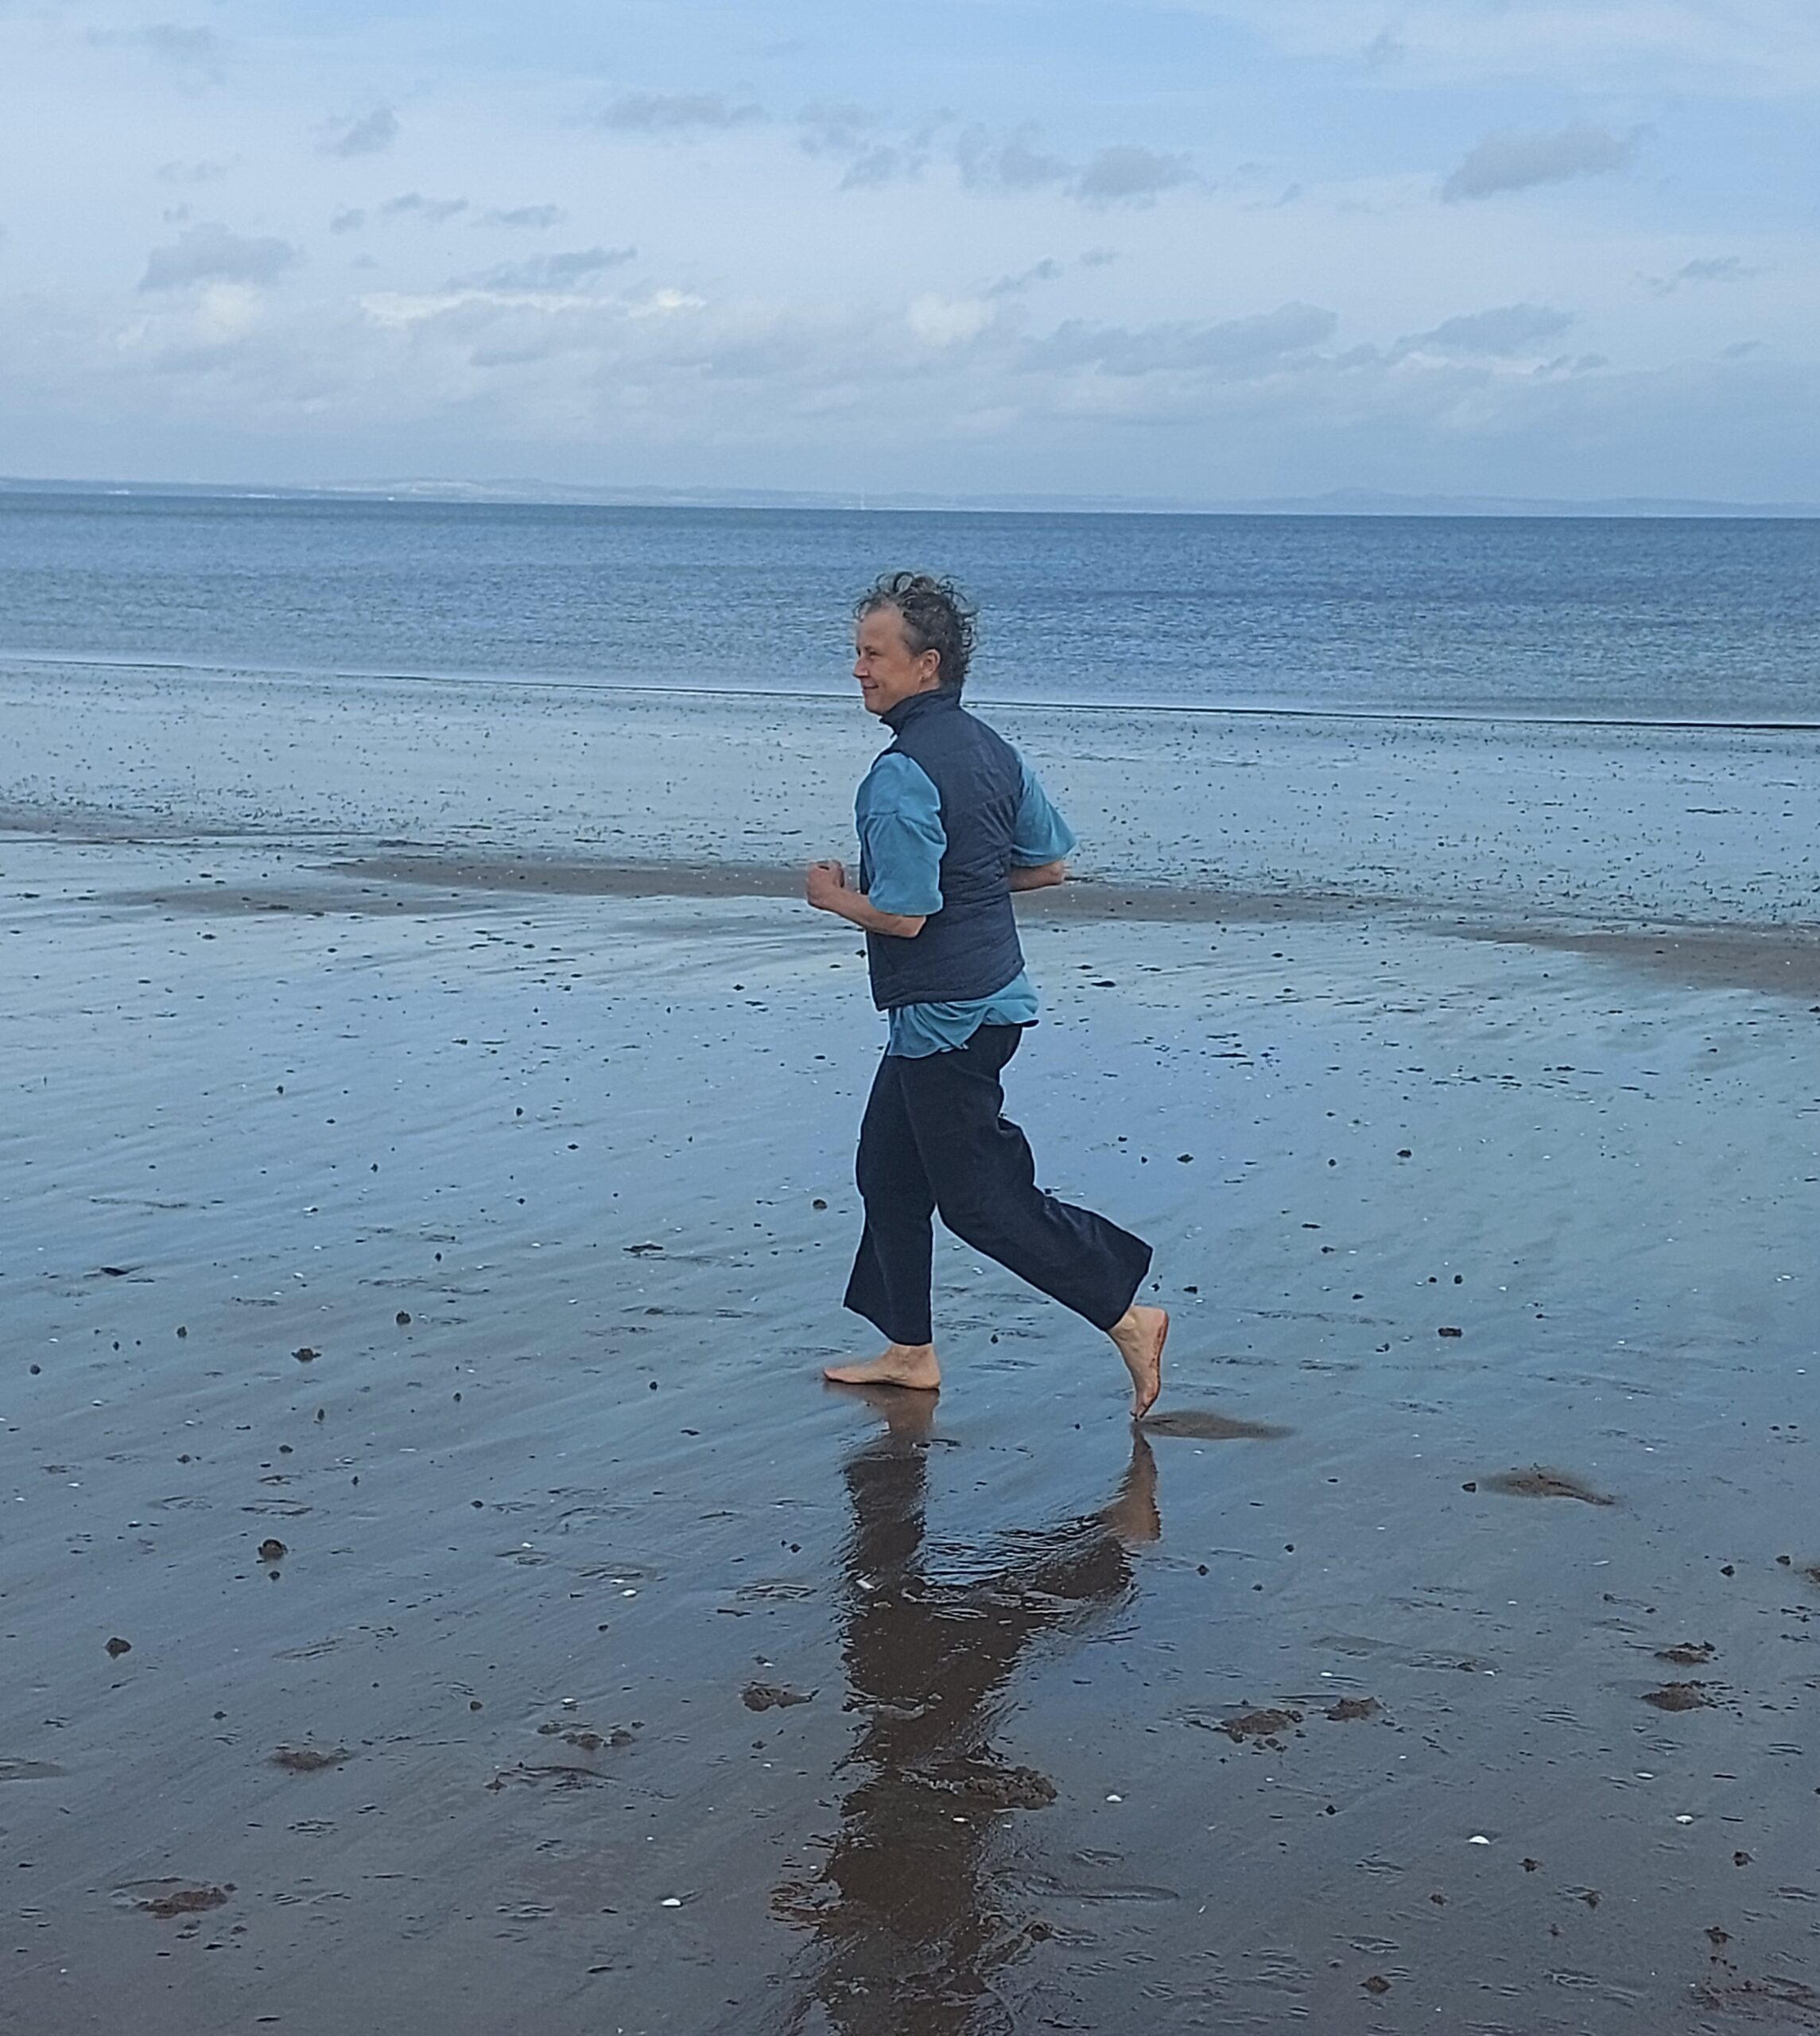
[[856, 907], [1038, 877]]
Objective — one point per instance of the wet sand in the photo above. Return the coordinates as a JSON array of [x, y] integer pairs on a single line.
[[438, 1592]]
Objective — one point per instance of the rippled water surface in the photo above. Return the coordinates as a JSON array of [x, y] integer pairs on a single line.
[[1629, 620]]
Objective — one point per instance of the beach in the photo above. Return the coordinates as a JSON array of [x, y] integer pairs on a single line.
[[440, 1593]]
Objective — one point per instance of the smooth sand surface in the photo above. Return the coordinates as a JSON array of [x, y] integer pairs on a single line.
[[1610, 825], [1437, 1660]]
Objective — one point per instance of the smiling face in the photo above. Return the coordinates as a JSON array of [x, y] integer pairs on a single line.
[[888, 670]]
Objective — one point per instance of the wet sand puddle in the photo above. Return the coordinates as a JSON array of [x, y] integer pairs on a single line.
[[547, 1642]]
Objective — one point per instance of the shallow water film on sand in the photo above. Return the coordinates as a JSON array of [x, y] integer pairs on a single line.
[[438, 1592]]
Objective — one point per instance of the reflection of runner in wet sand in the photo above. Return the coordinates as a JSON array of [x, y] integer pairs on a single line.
[[909, 1909], [951, 822]]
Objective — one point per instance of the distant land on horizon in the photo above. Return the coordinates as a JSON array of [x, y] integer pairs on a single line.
[[1339, 502]]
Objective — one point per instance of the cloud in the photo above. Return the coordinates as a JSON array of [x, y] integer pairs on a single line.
[[1237, 347], [413, 204], [547, 273], [1707, 269], [191, 173], [874, 167], [837, 128], [1767, 47], [1015, 164], [366, 135], [674, 113], [949, 321], [1515, 162], [188, 48], [349, 219], [180, 46], [1510, 329], [1044, 271], [1122, 174], [1125, 174], [197, 51], [211, 254], [523, 216]]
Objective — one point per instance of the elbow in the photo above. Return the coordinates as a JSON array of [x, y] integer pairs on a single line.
[[904, 926], [1039, 876]]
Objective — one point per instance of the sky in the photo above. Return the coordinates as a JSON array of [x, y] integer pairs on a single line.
[[1200, 249]]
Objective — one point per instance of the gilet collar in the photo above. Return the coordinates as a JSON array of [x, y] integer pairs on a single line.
[[898, 717]]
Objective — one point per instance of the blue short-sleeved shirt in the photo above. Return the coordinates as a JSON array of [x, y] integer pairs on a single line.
[[898, 813]]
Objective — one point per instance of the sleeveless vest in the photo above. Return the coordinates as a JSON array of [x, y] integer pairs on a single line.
[[969, 949]]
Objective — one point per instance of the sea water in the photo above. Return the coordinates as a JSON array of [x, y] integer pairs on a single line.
[[1639, 621]]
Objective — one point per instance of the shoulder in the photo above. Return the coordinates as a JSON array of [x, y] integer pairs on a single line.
[[896, 781], [984, 743], [984, 732]]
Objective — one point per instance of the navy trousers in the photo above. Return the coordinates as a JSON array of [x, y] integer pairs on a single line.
[[934, 1138]]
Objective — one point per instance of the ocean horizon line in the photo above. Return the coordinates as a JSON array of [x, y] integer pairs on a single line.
[[532, 493]]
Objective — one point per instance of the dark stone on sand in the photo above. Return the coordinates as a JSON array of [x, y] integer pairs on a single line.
[[183, 1901], [309, 1760], [1375, 1983], [1678, 1696], [1450, 1332], [585, 1737], [1687, 1653], [1762, 2000], [999, 1788], [1259, 1724], [305, 1355], [766, 1696], [1353, 1707], [643, 1250], [401, 1318], [1539, 1482], [818, 1203], [272, 1550], [117, 1647]]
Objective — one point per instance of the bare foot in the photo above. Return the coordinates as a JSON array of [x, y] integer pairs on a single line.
[[1140, 1333], [899, 1364]]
